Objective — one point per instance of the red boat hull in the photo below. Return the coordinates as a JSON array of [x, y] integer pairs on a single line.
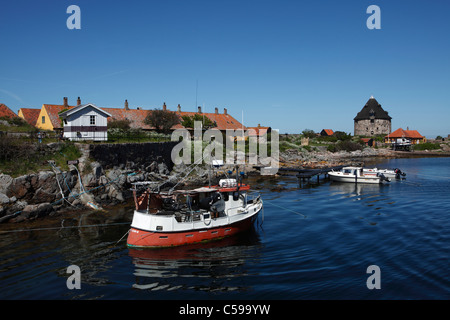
[[138, 238]]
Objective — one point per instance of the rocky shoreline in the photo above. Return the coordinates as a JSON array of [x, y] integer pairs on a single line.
[[47, 193], [322, 158]]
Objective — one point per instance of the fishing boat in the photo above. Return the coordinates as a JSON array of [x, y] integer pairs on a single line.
[[180, 217], [389, 173], [356, 175]]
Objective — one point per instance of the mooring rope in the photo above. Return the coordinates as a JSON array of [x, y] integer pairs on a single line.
[[68, 227]]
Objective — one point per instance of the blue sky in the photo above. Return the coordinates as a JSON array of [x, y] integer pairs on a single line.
[[290, 65]]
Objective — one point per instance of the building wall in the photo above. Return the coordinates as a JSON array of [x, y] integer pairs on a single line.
[[82, 118], [78, 126], [367, 128], [47, 125]]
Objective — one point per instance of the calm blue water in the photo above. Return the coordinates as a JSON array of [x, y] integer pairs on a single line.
[[315, 242]]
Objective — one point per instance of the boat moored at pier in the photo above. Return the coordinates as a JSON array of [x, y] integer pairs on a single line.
[[357, 175]]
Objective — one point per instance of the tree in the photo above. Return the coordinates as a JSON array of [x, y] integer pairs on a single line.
[[188, 121], [341, 135], [308, 133], [162, 120], [120, 124]]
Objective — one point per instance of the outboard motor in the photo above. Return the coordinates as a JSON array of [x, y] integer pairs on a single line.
[[384, 178], [399, 173]]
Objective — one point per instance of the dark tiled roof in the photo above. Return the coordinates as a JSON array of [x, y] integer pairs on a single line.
[[372, 107]]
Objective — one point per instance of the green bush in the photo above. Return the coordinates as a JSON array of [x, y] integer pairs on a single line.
[[345, 146], [427, 146]]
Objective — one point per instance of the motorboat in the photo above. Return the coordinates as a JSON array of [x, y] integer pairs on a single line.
[[357, 175]]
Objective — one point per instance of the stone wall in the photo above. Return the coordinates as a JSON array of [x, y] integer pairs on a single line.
[[367, 128], [121, 155]]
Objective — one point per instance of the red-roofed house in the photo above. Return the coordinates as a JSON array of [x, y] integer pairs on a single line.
[[413, 135], [136, 117], [326, 132], [6, 112], [48, 118], [29, 115]]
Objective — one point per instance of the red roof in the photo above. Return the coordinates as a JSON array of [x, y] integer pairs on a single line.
[[259, 131], [6, 112], [30, 115], [329, 132], [400, 133], [53, 111], [137, 117], [223, 121]]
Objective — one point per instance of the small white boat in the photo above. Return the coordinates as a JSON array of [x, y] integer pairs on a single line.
[[356, 175], [388, 173]]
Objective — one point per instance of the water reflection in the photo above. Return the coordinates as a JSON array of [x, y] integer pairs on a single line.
[[358, 189], [213, 266]]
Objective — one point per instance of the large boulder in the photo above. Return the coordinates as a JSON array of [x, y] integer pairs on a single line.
[[5, 182], [34, 211]]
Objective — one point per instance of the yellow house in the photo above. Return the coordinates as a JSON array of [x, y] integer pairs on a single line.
[[48, 118]]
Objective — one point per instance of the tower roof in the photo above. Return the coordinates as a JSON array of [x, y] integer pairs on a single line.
[[372, 108]]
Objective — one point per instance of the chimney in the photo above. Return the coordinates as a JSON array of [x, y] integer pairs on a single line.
[[217, 110], [225, 111], [164, 107], [126, 105], [78, 101], [65, 102], [179, 108], [199, 109], [259, 126]]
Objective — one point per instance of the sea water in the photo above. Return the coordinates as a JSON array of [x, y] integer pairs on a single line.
[[314, 241]]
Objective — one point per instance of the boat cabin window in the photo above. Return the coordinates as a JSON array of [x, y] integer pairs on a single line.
[[235, 195], [348, 171]]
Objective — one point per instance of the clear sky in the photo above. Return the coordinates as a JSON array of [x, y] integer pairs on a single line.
[[290, 65]]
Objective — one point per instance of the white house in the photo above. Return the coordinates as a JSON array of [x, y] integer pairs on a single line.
[[85, 122]]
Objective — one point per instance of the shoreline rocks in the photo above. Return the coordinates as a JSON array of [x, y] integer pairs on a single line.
[[45, 193]]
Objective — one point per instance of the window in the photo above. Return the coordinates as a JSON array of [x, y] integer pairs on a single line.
[[92, 120], [43, 119]]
